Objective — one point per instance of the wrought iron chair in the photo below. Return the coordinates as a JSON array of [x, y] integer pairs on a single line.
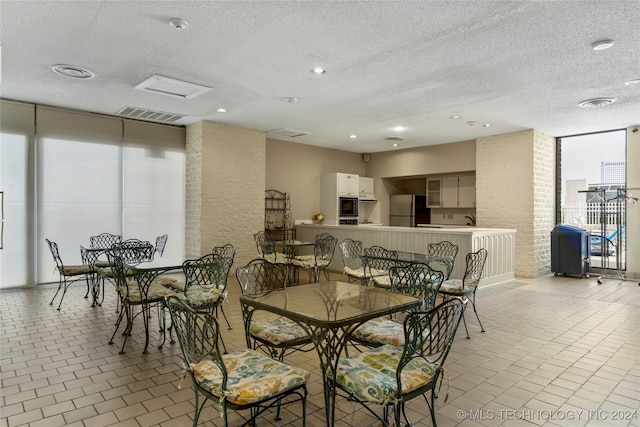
[[142, 292], [468, 286], [161, 242], [351, 251], [227, 251], [68, 274], [205, 286], [132, 251], [104, 241], [447, 251], [274, 335], [378, 261], [392, 375], [267, 249], [244, 379], [323, 250], [415, 279]]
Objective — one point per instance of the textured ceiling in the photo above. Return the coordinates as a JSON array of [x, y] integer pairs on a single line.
[[516, 65]]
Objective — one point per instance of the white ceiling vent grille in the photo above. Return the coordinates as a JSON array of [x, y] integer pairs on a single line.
[[144, 114], [287, 132], [172, 87]]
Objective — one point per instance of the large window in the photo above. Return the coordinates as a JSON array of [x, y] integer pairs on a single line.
[[95, 174], [592, 172]]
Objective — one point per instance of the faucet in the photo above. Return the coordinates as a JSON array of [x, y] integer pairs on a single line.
[[472, 219]]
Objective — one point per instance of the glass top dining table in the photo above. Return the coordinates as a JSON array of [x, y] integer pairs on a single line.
[[329, 312]]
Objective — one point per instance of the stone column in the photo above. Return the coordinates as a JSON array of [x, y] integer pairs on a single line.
[[225, 188]]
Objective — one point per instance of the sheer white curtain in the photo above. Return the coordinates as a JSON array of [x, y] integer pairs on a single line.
[[16, 183], [95, 174], [79, 183], [154, 184]]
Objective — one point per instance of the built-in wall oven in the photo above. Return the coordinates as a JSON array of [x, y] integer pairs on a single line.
[[348, 210]]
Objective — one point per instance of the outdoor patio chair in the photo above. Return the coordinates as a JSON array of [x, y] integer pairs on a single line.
[[468, 286], [68, 274], [392, 375], [240, 380]]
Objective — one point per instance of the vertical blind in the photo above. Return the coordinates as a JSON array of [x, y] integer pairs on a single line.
[[101, 174]]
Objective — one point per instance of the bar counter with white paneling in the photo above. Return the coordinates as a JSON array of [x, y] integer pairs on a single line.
[[500, 243]]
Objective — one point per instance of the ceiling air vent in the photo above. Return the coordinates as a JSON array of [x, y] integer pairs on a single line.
[[287, 132], [144, 114]]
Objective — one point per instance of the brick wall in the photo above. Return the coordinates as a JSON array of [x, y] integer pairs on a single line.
[[515, 189], [225, 188]]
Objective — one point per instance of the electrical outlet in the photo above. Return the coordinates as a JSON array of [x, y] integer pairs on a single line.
[[450, 216]]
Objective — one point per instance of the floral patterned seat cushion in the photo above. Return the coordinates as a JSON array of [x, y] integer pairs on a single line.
[[75, 270], [382, 281], [358, 272], [156, 292], [309, 261], [251, 377], [454, 287], [277, 331], [371, 375], [381, 331]]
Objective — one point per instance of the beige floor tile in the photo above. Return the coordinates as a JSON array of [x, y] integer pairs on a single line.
[[551, 344]]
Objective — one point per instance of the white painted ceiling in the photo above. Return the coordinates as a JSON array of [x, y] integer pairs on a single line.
[[514, 64]]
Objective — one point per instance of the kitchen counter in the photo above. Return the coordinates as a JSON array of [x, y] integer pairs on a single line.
[[499, 242]]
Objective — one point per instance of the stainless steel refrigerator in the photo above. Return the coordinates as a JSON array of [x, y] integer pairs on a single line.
[[408, 210]]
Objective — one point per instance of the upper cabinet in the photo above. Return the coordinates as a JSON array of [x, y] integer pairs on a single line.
[[452, 192], [467, 191], [348, 185], [434, 193], [366, 189]]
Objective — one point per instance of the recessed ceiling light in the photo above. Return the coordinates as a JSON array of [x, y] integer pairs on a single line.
[[471, 123], [221, 110], [394, 145], [318, 71], [596, 102], [178, 24], [291, 99], [353, 136], [486, 125], [602, 44], [455, 117], [72, 71], [633, 82], [399, 128]]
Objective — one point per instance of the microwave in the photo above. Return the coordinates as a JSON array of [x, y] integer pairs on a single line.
[[348, 207]]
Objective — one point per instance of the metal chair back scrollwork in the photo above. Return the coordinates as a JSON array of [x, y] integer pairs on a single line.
[[161, 243], [104, 240], [447, 252]]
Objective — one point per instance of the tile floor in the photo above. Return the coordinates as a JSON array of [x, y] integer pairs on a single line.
[[557, 352]]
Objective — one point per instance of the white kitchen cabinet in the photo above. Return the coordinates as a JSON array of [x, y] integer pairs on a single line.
[[348, 185], [434, 193], [452, 192], [366, 188], [466, 191]]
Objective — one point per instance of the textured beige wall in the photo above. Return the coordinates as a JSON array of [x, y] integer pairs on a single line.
[[431, 160], [227, 173], [296, 169], [515, 189]]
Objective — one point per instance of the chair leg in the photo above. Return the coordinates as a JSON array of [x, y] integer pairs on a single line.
[[473, 304], [223, 315]]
